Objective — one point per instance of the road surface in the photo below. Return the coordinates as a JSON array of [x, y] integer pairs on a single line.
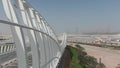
[[6, 57]]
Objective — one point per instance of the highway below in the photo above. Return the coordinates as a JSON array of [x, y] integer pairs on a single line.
[[111, 58], [6, 57]]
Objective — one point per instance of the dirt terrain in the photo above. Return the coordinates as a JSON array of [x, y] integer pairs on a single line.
[[111, 58]]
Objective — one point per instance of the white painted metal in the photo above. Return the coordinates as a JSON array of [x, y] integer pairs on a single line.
[[32, 36], [1, 49], [4, 49], [18, 36], [45, 49], [10, 48]]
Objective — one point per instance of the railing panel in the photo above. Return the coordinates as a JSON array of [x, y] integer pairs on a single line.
[[34, 41]]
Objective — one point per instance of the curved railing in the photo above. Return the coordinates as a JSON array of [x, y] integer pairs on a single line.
[[42, 44]]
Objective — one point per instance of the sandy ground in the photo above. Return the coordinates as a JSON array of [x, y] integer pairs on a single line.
[[111, 58]]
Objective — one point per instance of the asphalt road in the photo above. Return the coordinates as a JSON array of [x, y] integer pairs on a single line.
[[111, 58], [4, 58]]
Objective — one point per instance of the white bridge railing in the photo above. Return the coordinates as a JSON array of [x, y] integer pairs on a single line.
[[31, 30]]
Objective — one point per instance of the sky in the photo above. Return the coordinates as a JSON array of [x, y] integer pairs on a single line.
[[79, 16]]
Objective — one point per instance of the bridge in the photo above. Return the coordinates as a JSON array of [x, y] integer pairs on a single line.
[[35, 44]]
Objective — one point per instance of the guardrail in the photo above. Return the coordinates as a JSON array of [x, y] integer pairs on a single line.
[[24, 22]]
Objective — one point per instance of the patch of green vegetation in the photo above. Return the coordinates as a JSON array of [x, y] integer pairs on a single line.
[[86, 60], [74, 56], [80, 59]]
